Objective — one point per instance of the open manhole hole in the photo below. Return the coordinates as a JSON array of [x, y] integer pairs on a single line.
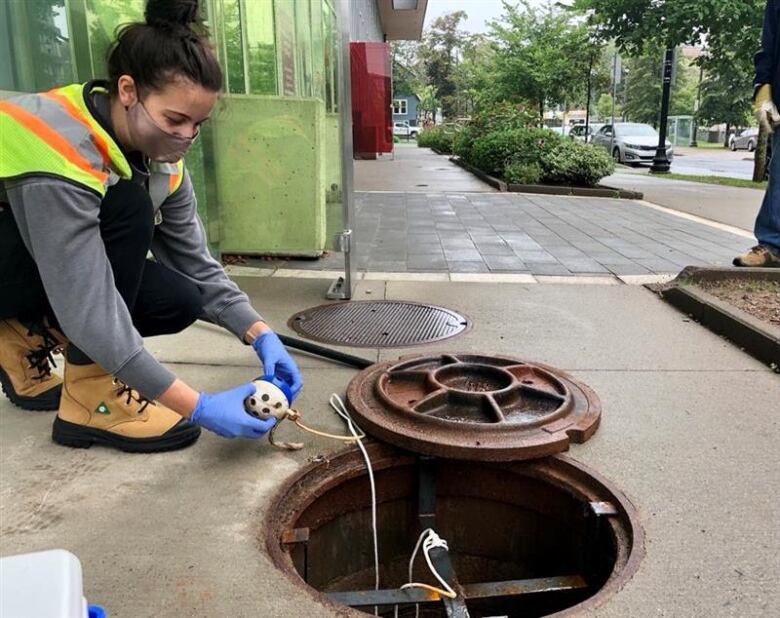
[[525, 538], [378, 324], [470, 406]]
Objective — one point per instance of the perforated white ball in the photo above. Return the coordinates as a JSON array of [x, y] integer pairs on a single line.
[[268, 401]]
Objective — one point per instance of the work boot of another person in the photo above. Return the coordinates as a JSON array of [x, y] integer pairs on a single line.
[[758, 257], [98, 409], [25, 365]]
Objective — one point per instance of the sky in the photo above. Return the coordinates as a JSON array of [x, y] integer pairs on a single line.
[[479, 11]]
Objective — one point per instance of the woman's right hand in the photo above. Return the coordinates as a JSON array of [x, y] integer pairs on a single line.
[[224, 414]]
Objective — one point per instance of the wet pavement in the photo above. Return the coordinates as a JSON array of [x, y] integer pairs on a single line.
[[438, 230]]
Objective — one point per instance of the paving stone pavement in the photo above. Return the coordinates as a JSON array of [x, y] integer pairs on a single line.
[[516, 233]]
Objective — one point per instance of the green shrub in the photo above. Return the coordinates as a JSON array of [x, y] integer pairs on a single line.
[[438, 137], [503, 116], [463, 142], [576, 163], [492, 152], [523, 173]]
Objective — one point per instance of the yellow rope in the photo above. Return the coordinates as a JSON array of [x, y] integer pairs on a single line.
[[295, 417], [439, 591]]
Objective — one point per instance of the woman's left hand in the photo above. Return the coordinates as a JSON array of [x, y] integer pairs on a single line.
[[277, 361]]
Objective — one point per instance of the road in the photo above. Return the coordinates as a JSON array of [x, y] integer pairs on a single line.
[[711, 162]]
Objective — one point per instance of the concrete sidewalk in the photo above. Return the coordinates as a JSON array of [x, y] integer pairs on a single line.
[[689, 432], [420, 213], [732, 206], [411, 168]]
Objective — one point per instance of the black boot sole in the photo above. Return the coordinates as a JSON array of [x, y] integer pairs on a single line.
[[45, 402], [181, 435]]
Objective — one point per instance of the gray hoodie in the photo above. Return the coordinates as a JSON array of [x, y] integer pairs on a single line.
[[59, 224]]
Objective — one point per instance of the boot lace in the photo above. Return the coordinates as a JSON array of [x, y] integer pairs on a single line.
[[42, 359], [131, 395]]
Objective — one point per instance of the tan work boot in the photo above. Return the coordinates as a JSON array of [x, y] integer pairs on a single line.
[[758, 257], [25, 372], [97, 409]]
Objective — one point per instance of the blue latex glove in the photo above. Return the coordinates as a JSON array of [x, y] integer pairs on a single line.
[[224, 414], [277, 361]]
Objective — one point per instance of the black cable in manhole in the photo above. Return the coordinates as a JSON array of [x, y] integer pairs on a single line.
[[526, 538], [378, 324]]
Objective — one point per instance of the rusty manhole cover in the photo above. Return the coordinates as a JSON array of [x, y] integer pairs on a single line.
[[467, 406], [378, 324]]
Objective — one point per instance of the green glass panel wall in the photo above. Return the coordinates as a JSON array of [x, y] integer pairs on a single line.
[[283, 53], [103, 19], [303, 34], [261, 46], [35, 50]]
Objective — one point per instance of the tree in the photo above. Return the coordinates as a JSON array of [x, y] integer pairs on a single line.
[[640, 25], [729, 29], [428, 103], [439, 54], [542, 55], [642, 89], [407, 78], [604, 108], [474, 75]]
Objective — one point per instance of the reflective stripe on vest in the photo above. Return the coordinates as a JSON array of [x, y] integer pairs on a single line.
[[164, 181], [54, 134]]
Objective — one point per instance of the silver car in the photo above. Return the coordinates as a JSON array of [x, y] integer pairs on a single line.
[[631, 142], [747, 139]]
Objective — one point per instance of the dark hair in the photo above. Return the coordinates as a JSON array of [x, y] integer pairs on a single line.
[[173, 41]]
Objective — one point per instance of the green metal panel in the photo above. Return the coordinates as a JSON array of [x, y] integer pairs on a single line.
[[270, 177]]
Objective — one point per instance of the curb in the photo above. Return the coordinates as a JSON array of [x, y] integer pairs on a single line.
[[566, 190], [750, 334]]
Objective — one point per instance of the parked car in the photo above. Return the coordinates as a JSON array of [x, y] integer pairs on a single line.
[[747, 139], [403, 129], [631, 142], [562, 131], [577, 132]]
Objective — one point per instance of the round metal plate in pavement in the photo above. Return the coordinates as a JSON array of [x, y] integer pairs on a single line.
[[469, 406], [378, 324]]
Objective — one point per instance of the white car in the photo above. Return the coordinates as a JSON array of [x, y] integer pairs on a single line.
[[403, 128], [631, 142], [577, 132]]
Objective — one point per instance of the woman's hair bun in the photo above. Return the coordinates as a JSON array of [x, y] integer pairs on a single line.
[[172, 13]]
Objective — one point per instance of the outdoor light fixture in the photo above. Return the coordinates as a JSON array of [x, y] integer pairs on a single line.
[[404, 5]]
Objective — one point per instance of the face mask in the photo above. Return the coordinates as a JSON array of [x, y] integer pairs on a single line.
[[152, 140]]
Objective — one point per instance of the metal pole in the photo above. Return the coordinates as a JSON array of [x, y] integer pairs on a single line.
[[614, 96], [660, 162], [587, 105], [343, 287], [695, 136]]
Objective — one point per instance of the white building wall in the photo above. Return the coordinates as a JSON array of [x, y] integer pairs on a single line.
[[364, 21]]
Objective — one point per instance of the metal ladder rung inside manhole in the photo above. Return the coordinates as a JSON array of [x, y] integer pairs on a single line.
[[397, 598]]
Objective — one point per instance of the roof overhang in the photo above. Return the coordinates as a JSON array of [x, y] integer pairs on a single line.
[[402, 20]]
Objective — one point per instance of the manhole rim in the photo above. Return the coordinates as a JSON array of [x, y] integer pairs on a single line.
[[531, 443], [555, 469], [295, 319]]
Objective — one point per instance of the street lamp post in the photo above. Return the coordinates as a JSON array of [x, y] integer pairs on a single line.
[[660, 162], [695, 138]]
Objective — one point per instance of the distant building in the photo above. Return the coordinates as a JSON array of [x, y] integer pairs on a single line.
[[405, 108]]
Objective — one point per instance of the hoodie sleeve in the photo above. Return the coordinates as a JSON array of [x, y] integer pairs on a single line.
[[180, 244], [60, 226], [765, 58]]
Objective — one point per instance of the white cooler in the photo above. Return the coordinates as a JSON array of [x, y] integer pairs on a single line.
[[45, 584]]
